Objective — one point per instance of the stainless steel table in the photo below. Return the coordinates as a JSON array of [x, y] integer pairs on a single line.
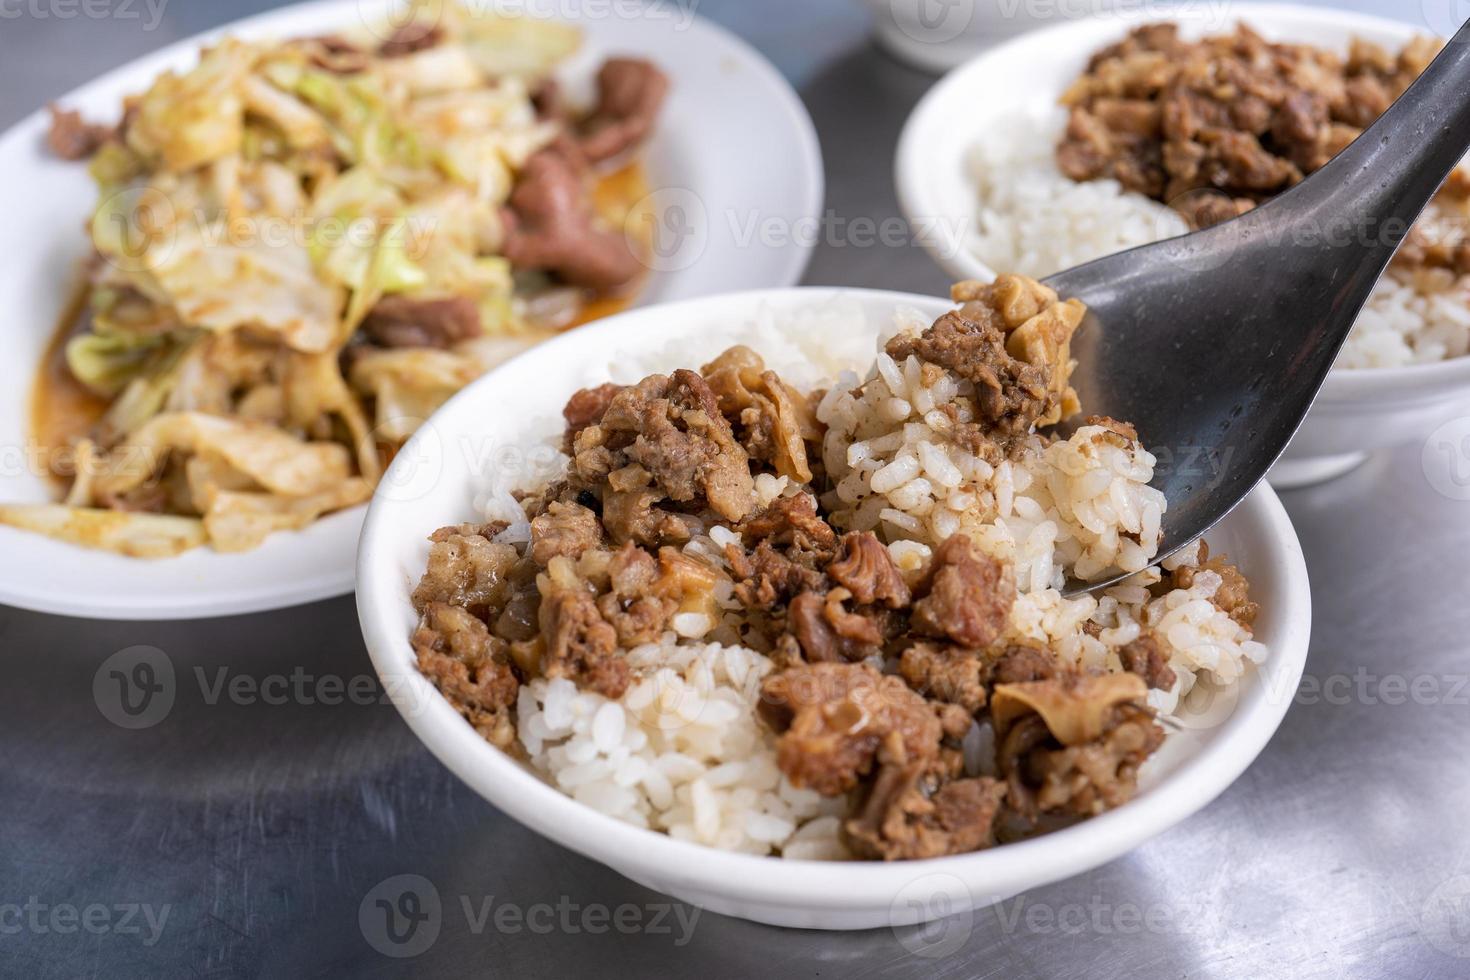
[[242, 834]]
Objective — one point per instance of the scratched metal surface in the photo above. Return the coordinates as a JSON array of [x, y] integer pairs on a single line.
[[242, 833]]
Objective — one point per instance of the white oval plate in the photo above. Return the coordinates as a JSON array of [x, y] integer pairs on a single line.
[[734, 146], [436, 478], [1357, 409]]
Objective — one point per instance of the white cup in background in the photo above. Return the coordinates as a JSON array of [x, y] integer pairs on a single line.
[[937, 35]]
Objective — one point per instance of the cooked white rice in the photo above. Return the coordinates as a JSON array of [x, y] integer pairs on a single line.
[[683, 751], [1031, 219]]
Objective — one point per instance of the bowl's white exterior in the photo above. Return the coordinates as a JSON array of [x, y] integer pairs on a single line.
[[1357, 410], [937, 35], [702, 158], [434, 482]]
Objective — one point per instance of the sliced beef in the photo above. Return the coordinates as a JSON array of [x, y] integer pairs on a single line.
[[630, 93], [410, 39], [73, 138], [551, 225], [405, 321]]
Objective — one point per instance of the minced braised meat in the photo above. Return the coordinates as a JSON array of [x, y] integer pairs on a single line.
[[456, 651], [1145, 657], [866, 570], [1233, 595], [879, 660], [466, 568], [671, 427], [585, 408], [834, 719], [967, 596], [947, 674], [827, 630], [1072, 745], [906, 816], [1011, 339], [1235, 115], [411, 39], [580, 644], [1020, 663], [767, 578], [771, 420], [566, 529], [792, 523]]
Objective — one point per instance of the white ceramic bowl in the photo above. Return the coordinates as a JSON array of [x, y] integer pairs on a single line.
[[709, 174], [1358, 410], [436, 483]]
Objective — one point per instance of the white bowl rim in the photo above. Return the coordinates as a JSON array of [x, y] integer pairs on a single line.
[[911, 164], [222, 597], [795, 883]]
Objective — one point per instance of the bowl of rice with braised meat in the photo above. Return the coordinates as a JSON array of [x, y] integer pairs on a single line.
[[764, 625], [1117, 132]]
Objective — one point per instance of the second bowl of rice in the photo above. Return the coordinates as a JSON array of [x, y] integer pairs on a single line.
[[977, 164]]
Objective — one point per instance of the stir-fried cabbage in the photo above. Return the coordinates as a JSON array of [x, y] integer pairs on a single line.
[[253, 214]]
